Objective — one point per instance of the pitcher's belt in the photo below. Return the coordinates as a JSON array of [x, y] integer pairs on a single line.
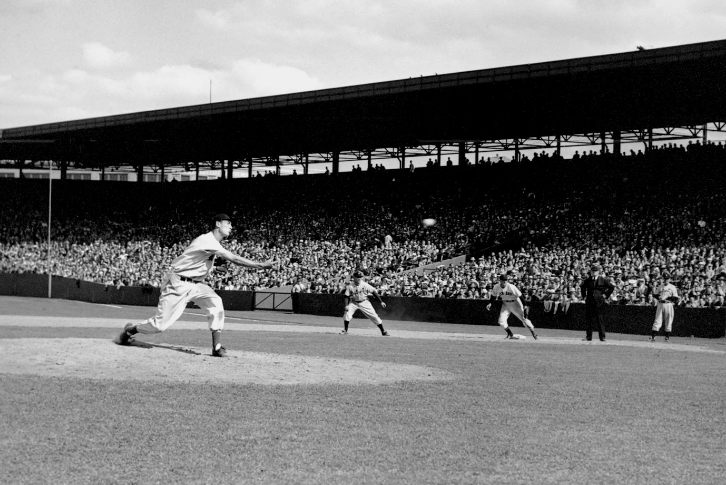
[[184, 278]]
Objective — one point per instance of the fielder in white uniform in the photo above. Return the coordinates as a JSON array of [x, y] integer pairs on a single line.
[[511, 299], [184, 283], [356, 298], [667, 295]]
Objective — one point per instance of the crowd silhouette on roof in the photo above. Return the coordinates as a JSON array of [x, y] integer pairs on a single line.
[[545, 219]]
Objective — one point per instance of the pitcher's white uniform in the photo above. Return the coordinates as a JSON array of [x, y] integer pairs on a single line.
[[358, 294], [664, 310], [183, 283]]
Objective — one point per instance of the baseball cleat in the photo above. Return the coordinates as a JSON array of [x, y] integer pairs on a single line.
[[534, 335], [124, 338], [651, 339], [385, 334], [220, 352], [667, 338], [344, 332]]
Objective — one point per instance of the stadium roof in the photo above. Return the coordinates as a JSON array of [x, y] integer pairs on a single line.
[[629, 92]]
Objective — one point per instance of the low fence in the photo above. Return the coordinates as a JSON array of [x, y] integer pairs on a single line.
[[637, 320], [629, 319]]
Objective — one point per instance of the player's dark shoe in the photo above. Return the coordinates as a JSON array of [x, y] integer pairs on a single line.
[[587, 340], [603, 340], [667, 338], [534, 335], [125, 338], [344, 332], [385, 334], [220, 352], [651, 339]]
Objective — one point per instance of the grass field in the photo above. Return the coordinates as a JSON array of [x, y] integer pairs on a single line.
[[434, 403]]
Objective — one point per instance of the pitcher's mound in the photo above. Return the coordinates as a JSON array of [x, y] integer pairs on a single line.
[[102, 359]]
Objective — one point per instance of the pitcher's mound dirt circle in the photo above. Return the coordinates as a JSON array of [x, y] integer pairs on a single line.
[[102, 359]]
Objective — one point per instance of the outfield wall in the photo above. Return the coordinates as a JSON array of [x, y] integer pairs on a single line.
[[71, 289], [629, 319], [637, 320]]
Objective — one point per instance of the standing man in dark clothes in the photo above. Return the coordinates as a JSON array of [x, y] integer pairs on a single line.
[[595, 291]]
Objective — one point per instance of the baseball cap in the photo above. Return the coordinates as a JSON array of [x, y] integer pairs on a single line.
[[357, 274], [222, 217], [503, 276]]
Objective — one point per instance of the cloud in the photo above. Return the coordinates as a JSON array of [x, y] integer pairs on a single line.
[[216, 20], [98, 55], [78, 93]]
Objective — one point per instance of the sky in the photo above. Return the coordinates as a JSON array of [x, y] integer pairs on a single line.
[[71, 59]]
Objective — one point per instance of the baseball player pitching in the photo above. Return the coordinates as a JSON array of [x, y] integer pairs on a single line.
[[356, 298], [184, 283], [511, 299], [667, 296]]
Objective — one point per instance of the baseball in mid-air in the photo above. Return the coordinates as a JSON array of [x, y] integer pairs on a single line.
[[429, 222]]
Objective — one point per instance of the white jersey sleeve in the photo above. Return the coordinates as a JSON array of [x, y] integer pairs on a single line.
[[197, 260]]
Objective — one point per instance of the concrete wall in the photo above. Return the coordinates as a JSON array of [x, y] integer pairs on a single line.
[[36, 285]]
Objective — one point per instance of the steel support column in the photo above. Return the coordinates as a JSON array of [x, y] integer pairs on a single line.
[[336, 161], [616, 143]]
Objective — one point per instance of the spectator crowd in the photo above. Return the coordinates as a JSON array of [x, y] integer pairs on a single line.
[[544, 219]]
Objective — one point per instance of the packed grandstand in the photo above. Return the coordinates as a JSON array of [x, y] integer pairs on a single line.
[[545, 219]]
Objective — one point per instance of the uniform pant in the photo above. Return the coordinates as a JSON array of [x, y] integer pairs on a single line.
[[175, 294], [663, 312], [366, 309], [513, 308], [594, 318]]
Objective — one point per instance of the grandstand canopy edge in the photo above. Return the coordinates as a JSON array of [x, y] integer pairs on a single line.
[[626, 93]]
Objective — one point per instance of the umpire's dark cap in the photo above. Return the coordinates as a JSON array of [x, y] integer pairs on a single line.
[[503, 276], [357, 274], [222, 217]]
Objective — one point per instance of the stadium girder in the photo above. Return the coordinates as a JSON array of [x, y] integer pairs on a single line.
[[658, 94]]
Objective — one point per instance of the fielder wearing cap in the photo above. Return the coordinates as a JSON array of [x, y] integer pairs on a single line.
[[356, 298], [667, 296], [511, 299]]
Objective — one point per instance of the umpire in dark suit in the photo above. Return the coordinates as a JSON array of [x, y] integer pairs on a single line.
[[596, 290]]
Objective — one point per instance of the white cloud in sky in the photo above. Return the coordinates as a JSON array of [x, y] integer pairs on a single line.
[[102, 58], [86, 94], [215, 20], [98, 55]]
